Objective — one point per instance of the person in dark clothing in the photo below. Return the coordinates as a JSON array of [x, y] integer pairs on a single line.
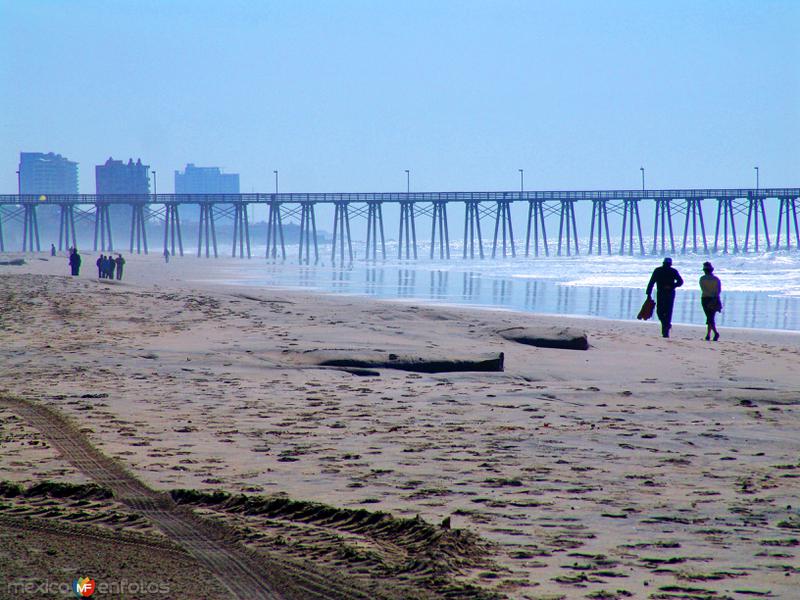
[[100, 266], [120, 262], [666, 279], [52, 249], [110, 265], [75, 262]]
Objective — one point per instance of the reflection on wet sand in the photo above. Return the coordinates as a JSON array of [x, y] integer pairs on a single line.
[[741, 309], [626, 303], [374, 281], [407, 283], [471, 288], [501, 292], [438, 289], [785, 304], [531, 290], [341, 280], [563, 299], [307, 277]]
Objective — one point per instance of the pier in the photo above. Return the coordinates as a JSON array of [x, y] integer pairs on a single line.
[[692, 220]]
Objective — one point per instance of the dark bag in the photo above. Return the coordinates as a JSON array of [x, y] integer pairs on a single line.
[[647, 309]]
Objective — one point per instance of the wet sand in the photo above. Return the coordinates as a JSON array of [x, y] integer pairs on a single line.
[[642, 466]]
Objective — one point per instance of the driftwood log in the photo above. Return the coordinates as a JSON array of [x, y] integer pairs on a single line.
[[565, 338], [419, 364]]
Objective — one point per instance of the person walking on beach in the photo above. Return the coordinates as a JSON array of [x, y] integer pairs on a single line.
[[666, 279], [75, 262], [52, 249], [110, 265], [100, 266], [710, 290], [166, 255], [120, 263]]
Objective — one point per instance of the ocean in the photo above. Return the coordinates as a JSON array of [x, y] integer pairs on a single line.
[[759, 290]]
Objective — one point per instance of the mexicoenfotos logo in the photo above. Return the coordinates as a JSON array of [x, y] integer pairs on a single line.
[[84, 587]]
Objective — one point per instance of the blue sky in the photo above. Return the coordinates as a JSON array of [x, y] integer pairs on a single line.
[[344, 96]]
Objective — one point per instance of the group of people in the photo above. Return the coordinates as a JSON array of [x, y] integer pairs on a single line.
[[106, 265], [666, 279]]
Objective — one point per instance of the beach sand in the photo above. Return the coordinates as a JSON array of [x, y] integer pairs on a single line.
[[643, 467]]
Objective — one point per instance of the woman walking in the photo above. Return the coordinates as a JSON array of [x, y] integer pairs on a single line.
[[710, 288]]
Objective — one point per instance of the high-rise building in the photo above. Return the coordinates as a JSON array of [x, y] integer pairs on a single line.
[[49, 173], [125, 179], [203, 180], [117, 177]]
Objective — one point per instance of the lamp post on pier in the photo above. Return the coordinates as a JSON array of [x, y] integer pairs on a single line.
[[756, 168], [408, 181], [521, 182], [642, 170], [19, 185], [155, 186], [276, 181]]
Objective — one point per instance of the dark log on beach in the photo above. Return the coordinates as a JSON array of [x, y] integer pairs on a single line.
[[360, 372], [565, 338], [418, 364]]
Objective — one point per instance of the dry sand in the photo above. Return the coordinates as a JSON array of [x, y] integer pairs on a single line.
[[643, 467]]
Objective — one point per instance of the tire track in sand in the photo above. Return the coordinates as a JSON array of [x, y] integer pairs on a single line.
[[246, 574]]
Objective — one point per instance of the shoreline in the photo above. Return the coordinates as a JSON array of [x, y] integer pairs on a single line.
[[499, 309], [229, 263], [532, 295]]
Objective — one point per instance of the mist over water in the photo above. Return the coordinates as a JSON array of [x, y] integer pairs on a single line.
[[759, 290]]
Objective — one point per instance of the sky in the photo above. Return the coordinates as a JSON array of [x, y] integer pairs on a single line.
[[346, 95]]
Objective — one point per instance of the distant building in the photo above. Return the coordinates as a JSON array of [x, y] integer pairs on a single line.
[[129, 179], [203, 180], [117, 177], [47, 174]]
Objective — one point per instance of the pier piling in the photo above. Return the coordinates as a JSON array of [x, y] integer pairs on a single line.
[[755, 211], [138, 229], [502, 220], [275, 231], [472, 228], [694, 213], [439, 220], [207, 231], [567, 227], [66, 228], [600, 220], [172, 227], [102, 227], [408, 231], [726, 209], [788, 212], [341, 233], [308, 230]]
